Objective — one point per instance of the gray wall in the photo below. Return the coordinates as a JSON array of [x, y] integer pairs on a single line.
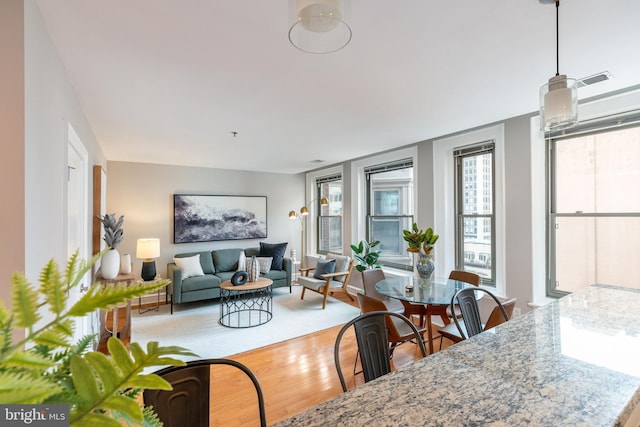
[[143, 193]]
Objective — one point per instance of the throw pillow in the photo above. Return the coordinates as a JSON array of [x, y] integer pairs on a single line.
[[190, 266], [242, 262], [324, 266], [274, 250], [265, 264]]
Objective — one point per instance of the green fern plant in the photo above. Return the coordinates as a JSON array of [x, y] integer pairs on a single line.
[[45, 367]]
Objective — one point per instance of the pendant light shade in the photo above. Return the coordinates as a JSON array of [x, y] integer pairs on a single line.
[[319, 26], [559, 103], [559, 97]]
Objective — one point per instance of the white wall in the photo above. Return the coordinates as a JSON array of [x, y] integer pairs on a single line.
[[143, 193], [50, 103]]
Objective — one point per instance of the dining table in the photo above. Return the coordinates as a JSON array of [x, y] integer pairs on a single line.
[[432, 292], [571, 362]]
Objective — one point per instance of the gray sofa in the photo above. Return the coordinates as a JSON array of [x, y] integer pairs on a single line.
[[217, 265]]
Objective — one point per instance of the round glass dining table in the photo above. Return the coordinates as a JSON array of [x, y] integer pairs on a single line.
[[437, 291]]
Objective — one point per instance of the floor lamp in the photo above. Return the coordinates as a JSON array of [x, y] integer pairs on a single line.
[[304, 211]]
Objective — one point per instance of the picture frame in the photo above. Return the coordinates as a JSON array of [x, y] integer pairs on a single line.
[[208, 218]]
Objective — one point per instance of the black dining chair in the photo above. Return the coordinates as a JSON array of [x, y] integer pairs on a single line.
[[188, 404], [373, 340], [470, 312]]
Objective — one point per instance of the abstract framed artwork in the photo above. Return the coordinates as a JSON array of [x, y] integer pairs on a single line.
[[203, 218]]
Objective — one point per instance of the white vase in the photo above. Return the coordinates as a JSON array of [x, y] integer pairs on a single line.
[[110, 264], [125, 264], [254, 270]]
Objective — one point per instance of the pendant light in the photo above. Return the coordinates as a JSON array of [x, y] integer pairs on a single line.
[[559, 97], [319, 26]]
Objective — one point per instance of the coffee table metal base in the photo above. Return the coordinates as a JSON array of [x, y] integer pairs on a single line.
[[245, 308]]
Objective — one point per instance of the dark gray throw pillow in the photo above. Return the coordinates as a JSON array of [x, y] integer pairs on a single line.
[[274, 250], [324, 266]]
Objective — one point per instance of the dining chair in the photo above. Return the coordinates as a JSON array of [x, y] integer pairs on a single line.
[[399, 332], [374, 332], [188, 404], [468, 305], [461, 276], [451, 332], [369, 280], [328, 283]]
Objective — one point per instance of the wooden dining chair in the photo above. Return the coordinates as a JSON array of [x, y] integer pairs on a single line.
[[369, 280], [451, 332], [461, 276], [375, 331]]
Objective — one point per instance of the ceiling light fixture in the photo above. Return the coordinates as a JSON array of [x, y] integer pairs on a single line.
[[559, 97], [319, 26]]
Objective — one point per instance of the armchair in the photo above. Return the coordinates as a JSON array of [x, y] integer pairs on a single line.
[[330, 282]]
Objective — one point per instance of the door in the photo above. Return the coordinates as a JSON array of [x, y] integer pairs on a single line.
[[77, 224]]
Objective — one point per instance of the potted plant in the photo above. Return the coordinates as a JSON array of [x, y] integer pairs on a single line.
[[366, 255], [46, 368], [113, 233], [422, 243], [414, 238]]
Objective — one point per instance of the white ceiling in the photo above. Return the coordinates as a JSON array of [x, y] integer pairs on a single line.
[[167, 81]]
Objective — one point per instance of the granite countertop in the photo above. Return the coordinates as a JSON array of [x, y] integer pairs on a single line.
[[574, 362]]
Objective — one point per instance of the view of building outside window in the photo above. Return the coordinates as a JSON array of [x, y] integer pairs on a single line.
[[475, 214], [391, 211], [330, 217], [595, 210]]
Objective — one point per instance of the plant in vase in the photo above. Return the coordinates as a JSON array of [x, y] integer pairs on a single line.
[[46, 368], [366, 256], [113, 233], [422, 243]]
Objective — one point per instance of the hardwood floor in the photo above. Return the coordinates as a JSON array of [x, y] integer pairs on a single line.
[[295, 375]]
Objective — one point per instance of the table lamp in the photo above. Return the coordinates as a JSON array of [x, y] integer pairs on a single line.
[[148, 249]]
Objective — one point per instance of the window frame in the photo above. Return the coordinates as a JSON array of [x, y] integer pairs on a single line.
[[371, 216], [311, 226], [459, 154], [319, 181], [598, 125]]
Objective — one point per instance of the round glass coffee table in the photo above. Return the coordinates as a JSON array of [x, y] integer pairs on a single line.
[[245, 306]]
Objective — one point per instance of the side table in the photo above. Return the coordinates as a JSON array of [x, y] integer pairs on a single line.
[[157, 306], [125, 332], [247, 305], [296, 271]]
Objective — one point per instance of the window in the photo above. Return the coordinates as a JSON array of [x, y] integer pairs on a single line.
[[390, 208], [594, 206], [330, 217], [475, 210]]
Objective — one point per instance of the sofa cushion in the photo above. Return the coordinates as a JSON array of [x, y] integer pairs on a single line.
[[226, 259], [200, 283], [275, 250], [206, 262], [190, 266], [324, 266], [276, 275], [265, 263]]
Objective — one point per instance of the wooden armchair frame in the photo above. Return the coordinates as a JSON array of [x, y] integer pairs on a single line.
[[327, 289]]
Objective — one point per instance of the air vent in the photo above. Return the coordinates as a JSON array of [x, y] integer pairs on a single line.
[[317, 161], [596, 78]]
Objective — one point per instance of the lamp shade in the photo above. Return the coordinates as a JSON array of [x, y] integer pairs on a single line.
[[319, 26], [148, 248], [558, 104]]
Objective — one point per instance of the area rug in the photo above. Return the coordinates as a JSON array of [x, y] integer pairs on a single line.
[[195, 325]]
